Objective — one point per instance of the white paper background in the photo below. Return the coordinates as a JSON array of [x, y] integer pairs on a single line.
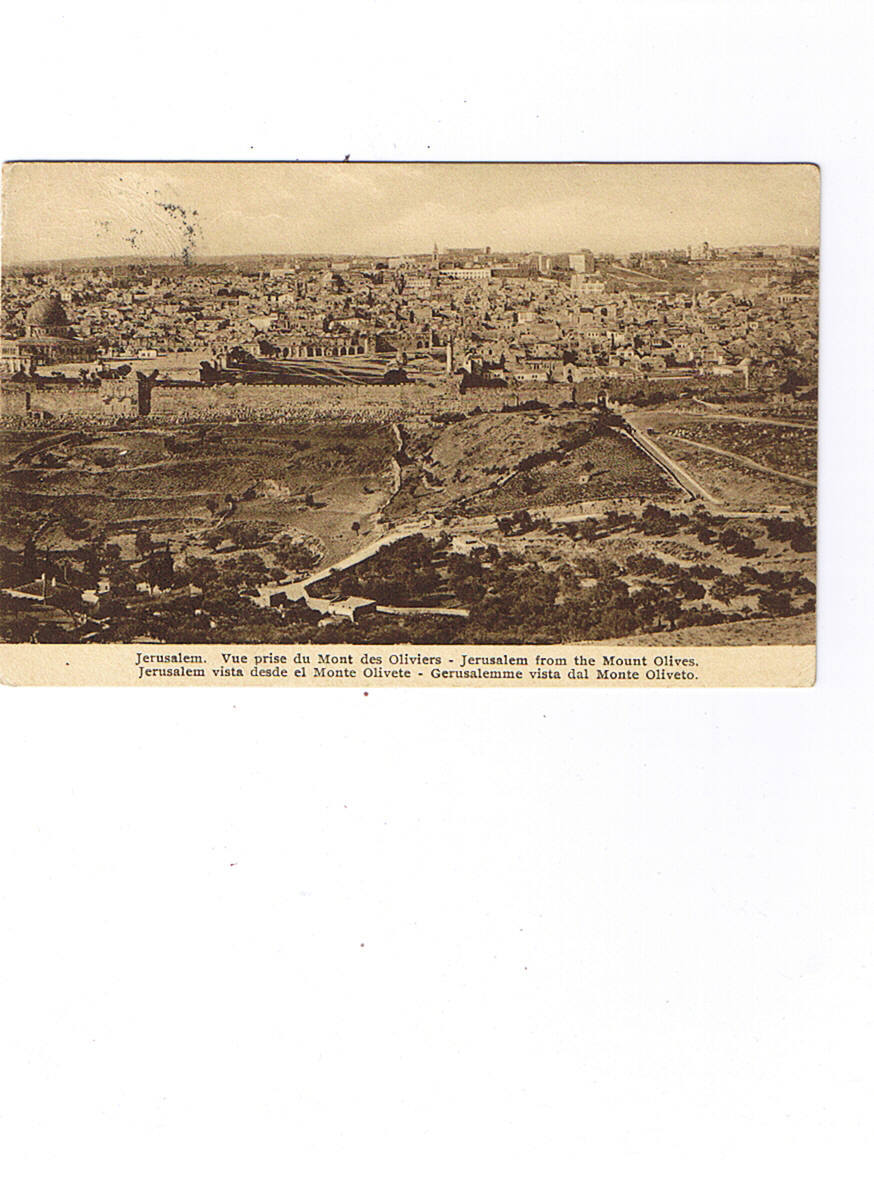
[[619, 935]]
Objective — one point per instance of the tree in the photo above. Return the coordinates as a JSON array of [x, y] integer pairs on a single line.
[[725, 588], [160, 568], [672, 611], [689, 588], [665, 607], [704, 572], [643, 564], [656, 520], [121, 579], [92, 564], [247, 534], [793, 381], [30, 567], [803, 541], [775, 602], [143, 543]]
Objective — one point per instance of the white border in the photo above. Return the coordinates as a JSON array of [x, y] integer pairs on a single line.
[[621, 936]]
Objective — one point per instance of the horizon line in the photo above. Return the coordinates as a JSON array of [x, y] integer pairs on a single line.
[[204, 258]]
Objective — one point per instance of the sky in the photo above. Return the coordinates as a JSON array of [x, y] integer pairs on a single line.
[[62, 211]]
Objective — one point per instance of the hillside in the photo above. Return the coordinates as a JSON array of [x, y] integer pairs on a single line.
[[496, 462]]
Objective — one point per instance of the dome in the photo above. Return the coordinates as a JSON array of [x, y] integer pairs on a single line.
[[47, 312]]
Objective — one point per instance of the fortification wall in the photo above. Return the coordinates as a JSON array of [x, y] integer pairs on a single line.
[[118, 399], [326, 400], [14, 399], [113, 399]]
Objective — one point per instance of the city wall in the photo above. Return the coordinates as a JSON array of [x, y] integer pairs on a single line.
[[119, 399], [113, 399], [378, 401]]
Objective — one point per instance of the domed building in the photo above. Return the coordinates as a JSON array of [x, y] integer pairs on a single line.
[[48, 318], [48, 339]]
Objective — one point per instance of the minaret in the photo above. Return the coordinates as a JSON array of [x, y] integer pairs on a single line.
[[435, 258], [449, 355]]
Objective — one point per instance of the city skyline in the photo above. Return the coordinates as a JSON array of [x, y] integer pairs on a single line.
[[64, 212]]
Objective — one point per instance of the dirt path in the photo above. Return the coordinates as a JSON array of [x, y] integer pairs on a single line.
[[726, 416], [759, 467], [33, 449], [300, 589], [116, 496], [686, 481]]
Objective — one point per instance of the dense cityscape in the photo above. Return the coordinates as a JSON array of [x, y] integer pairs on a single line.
[[462, 446]]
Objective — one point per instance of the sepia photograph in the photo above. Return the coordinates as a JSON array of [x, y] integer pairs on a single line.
[[409, 403]]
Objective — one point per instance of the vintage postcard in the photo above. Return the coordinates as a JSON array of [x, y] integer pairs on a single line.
[[409, 424]]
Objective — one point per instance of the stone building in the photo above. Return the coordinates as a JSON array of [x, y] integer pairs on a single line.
[[48, 339], [582, 262], [311, 345]]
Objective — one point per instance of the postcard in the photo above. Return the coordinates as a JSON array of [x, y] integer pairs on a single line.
[[410, 424]]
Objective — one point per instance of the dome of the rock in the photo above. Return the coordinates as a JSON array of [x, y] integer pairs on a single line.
[[47, 312]]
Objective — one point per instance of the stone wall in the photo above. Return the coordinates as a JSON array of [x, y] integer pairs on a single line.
[[118, 399], [364, 401], [112, 399], [14, 398]]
